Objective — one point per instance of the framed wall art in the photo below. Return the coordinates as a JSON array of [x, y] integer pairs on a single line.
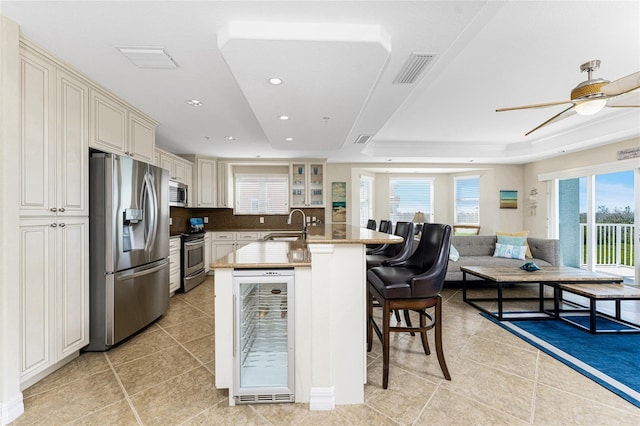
[[508, 199], [338, 202]]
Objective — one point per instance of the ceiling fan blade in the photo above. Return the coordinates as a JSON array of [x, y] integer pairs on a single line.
[[622, 85], [547, 104], [628, 100], [559, 116]]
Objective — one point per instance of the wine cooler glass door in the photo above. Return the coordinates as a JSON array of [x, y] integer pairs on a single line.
[[263, 326]]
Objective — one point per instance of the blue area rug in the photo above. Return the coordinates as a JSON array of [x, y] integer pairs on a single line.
[[611, 360]]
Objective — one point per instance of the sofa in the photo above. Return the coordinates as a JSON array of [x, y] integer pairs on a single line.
[[477, 250]]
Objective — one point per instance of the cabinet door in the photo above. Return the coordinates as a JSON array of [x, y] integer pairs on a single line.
[[142, 138], [37, 136], [188, 180], [179, 171], [166, 162], [223, 185], [298, 189], [206, 183], [207, 251], [72, 285], [316, 185], [72, 167], [107, 124], [36, 274], [222, 249]]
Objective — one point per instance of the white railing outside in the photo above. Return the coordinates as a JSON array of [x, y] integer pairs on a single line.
[[615, 244]]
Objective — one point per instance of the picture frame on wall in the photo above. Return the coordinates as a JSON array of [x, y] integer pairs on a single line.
[[508, 199], [338, 202]]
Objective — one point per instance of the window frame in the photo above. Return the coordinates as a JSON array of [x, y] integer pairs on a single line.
[[370, 202], [429, 212], [457, 179]]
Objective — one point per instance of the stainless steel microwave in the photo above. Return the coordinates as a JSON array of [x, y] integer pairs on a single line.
[[178, 194]]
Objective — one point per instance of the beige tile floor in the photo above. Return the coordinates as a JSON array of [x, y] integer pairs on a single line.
[[164, 376]]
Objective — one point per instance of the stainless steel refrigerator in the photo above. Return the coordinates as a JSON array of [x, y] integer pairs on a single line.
[[129, 247]]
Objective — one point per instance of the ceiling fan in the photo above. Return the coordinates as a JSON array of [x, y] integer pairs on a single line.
[[592, 95]]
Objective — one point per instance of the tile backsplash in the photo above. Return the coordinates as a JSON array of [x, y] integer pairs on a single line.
[[224, 219]]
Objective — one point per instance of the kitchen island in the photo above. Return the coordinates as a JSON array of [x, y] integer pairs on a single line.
[[330, 310]]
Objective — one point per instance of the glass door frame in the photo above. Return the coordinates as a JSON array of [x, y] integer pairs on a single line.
[[590, 172]]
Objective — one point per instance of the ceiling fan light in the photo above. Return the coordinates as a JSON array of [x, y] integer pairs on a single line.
[[590, 107]]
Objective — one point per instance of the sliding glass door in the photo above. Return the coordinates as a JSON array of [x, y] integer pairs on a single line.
[[597, 222]]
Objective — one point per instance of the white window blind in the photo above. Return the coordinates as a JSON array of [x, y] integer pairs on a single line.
[[366, 203], [467, 196], [261, 194], [408, 196]]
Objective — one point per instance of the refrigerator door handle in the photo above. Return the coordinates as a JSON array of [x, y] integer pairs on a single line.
[[154, 210], [143, 272]]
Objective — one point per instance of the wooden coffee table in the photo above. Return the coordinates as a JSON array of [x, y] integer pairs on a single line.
[[551, 276]]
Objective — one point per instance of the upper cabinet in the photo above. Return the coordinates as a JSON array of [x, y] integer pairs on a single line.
[[53, 139], [203, 188], [179, 169], [224, 190], [116, 127], [307, 184]]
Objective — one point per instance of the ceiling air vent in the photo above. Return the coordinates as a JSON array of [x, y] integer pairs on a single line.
[[416, 62], [362, 139], [148, 57]]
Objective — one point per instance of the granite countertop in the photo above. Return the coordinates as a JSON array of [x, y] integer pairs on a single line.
[[286, 254]]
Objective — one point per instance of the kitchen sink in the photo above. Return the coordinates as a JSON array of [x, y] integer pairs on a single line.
[[283, 237]]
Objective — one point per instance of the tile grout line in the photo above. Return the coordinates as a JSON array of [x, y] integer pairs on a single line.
[[124, 391], [536, 376], [427, 403]]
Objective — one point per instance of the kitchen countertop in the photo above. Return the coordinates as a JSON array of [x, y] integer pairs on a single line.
[[286, 254]]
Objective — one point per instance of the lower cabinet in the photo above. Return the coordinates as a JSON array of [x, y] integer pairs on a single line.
[[54, 293], [208, 251], [174, 264], [223, 243]]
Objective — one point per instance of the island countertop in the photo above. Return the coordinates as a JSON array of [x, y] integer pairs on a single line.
[[287, 254]]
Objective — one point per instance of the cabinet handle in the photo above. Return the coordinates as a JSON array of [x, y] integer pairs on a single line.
[[61, 209], [53, 209], [53, 225], [62, 225]]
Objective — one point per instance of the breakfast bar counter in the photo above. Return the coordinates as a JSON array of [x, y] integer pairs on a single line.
[[329, 315]]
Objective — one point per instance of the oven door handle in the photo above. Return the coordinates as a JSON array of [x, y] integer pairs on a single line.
[[199, 243]]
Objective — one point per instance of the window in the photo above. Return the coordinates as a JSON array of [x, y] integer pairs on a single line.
[[261, 194], [467, 200], [366, 201], [408, 196]]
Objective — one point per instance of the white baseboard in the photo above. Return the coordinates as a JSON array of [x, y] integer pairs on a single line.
[[322, 399], [11, 410]]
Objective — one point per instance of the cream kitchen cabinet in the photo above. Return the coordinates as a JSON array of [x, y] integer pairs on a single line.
[[225, 242], [307, 184], [179, 169], [53, 139], [203, 187], [174, 264], [116, 127], [224, 190], [53, 278], [208, 251]]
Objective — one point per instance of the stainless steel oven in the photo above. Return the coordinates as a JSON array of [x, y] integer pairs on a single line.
[[192, 260]]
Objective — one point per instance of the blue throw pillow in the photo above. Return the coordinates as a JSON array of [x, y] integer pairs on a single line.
[[510, 251], [514, 241], [454, 255]]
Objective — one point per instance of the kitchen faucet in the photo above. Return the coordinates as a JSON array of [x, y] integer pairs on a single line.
[[304, 222]]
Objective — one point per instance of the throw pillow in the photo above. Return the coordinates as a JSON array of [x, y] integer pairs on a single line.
[[510, 251], [454, 255], [518, 234], [514, 241]]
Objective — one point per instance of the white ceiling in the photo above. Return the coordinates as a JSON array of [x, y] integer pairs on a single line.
[[338, 61]]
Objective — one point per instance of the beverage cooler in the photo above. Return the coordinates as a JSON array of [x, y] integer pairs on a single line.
[[263, 336]]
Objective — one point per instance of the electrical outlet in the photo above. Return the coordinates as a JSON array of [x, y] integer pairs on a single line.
[[206, 219], [261, 219], [170, 221]]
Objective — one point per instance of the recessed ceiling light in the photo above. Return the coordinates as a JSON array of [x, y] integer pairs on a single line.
[[194, 103], [275, 81], [284, 117], [230, 138], [288, 139]]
